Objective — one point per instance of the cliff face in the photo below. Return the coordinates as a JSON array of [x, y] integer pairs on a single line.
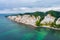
[[48, 19], [31, 20], [58, 21], [26, 19]]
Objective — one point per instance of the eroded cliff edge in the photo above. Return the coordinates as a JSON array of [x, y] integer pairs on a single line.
[[48, 20]]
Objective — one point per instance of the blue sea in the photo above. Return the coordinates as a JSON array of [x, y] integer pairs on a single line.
[[10, 30]]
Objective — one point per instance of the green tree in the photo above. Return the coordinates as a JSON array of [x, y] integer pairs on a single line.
[[38, 23]]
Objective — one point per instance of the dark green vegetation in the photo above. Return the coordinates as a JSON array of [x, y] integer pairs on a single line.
[[55, 14], [38, 23]]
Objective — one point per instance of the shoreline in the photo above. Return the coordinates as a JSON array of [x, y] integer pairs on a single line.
[[33, 21], [37, 26], [40, 27]]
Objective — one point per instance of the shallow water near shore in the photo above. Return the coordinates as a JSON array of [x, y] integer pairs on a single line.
[[10, 30]]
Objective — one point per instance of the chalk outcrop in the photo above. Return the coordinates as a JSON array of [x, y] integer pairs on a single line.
[[26, 19], [12, 17], [58, 21], [31, 20], [48, 19]]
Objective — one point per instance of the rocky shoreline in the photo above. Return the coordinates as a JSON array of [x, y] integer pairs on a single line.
[[39, 27], [33, 26], [49, 19]]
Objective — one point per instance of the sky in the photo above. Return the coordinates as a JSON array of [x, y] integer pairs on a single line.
[[17, 6]]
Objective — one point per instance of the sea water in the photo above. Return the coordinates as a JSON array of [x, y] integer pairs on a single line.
[[10, 30]]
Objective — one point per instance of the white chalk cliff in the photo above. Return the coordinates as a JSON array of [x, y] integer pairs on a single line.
[[31, 20], [26, 19], [58, 21]]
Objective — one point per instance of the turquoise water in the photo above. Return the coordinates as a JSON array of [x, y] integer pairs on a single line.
[[12, 31]]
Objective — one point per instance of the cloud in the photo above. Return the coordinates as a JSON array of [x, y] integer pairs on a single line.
[[16, 6], [6, 4], [26, 9]]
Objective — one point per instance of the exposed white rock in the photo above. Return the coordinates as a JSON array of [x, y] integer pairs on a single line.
[[9, 17], [17, 19], [48, 19], [58, 21], [31, 20], [12, 17], [38, 17], [26, 19]]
